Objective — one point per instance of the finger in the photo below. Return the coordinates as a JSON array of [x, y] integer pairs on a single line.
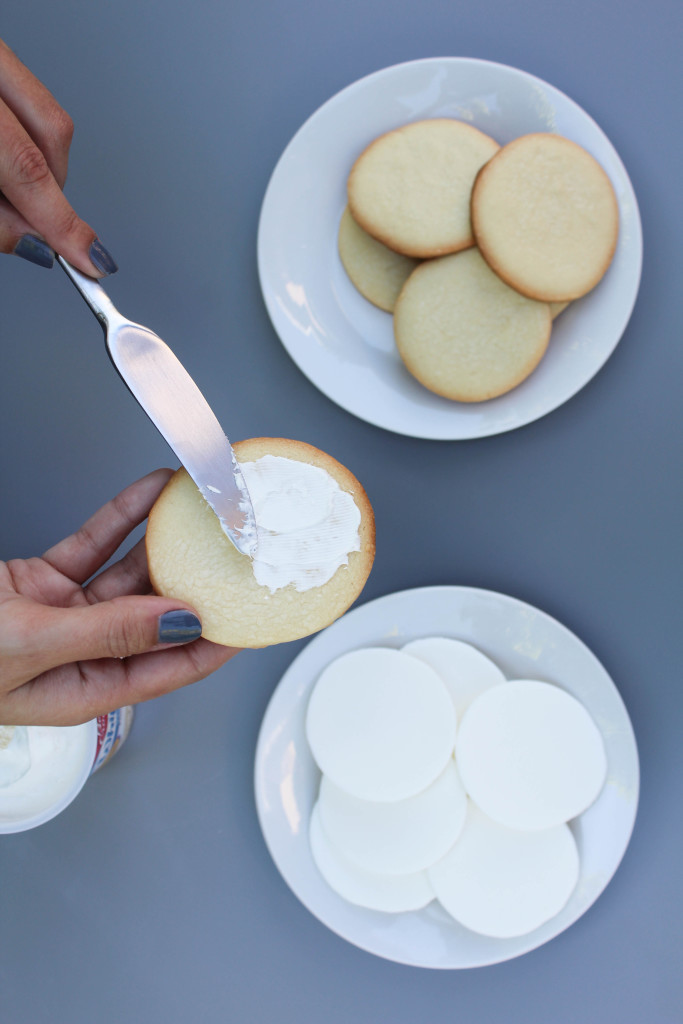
[[35, 638], [37, 110], [84, 552], [72, 694], [151, 675], [27, 182], [16, 236], [130, 575]]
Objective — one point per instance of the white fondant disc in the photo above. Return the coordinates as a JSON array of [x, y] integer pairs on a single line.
[[503, 882], [465, 670], [398, 837], [380, 724], [390, 893], [530, 755]]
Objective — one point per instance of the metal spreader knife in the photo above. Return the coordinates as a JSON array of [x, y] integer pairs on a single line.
[[177, 408]]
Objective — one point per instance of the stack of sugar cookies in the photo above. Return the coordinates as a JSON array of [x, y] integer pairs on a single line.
[[443, 780], [475, 247]]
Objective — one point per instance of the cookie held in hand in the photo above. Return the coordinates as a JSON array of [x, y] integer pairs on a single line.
[[316, 546]]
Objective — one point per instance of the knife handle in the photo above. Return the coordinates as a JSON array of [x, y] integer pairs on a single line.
[[93, 293]]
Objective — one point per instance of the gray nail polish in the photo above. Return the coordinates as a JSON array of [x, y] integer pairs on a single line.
[[35, 250], [179, 627], [102, 258]]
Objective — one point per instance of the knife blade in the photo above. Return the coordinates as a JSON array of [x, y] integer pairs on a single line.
[[162, 386]]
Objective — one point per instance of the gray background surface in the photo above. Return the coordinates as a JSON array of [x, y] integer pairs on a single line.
[[152, 897]]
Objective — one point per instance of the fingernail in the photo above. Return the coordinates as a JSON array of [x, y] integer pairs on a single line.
[[102, 258], [179, 627], [35, 250]]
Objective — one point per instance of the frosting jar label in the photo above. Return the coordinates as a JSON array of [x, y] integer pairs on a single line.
[[112, 730]]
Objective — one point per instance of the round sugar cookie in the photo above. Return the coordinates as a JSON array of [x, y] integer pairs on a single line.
[[190, 557], [411, 187], [390, 893], [463, 333], [556, 308], [545, 216], [376, 271], [380, 724], [529, 754], [504, 883], [399, 837]]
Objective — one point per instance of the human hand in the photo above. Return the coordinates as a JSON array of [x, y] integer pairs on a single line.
[[35, 136], [70, 649]]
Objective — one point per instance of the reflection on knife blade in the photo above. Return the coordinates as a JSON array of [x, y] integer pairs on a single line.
[[247, 534]]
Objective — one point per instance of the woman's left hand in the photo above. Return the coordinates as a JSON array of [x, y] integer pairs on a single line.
[[74, 645]]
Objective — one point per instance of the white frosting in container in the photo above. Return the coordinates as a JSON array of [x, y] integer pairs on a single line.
[[54, 767], [15, 757], [307, 525]]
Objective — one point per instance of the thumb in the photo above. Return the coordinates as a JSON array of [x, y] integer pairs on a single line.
[[117, 628]]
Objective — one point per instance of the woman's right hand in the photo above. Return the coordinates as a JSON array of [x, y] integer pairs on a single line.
[[35, 136]]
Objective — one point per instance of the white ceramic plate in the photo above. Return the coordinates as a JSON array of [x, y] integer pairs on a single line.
[[525, 642], [345, 345]]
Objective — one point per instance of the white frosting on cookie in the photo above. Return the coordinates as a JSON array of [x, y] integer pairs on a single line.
[[307, 525]]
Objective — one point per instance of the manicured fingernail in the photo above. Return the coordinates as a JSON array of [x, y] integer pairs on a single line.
[[35, 250], [102, 258], [179, 627]]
